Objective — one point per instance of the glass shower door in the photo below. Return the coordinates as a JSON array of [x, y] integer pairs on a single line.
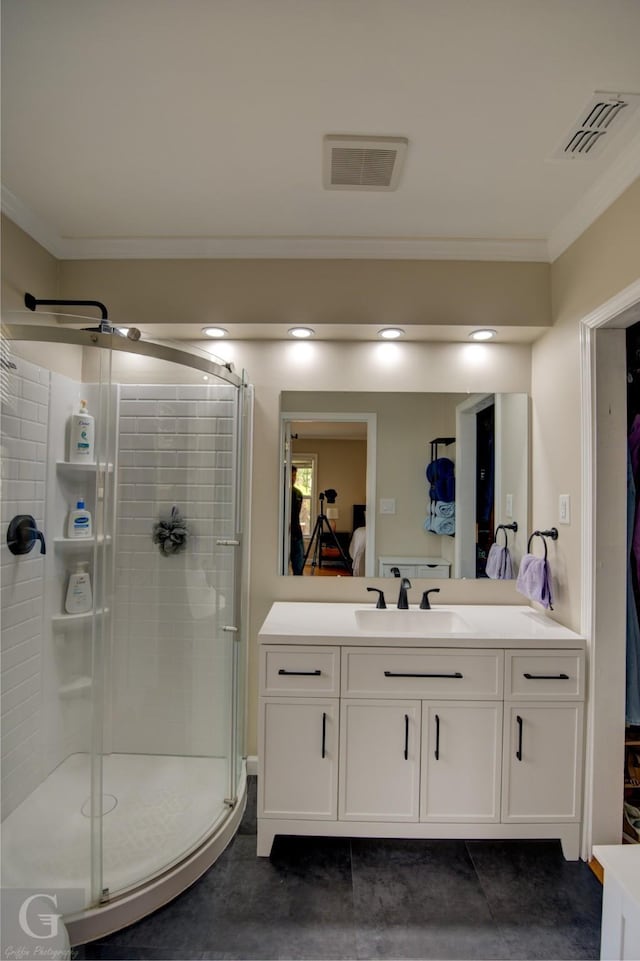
[[169, 741]]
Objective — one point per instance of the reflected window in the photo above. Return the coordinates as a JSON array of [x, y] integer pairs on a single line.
[[307, 465]]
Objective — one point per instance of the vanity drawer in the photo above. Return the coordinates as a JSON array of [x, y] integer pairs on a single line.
[[407, 672], [300, 670], [547, 675]]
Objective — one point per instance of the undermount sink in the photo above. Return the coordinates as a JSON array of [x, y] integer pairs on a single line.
[[413, 621]]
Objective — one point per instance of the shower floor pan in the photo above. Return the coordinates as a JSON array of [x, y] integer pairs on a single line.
[[157, 809]]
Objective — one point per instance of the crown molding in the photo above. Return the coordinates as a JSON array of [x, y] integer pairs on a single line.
[[620, 175], [275, 248], [33, 225]]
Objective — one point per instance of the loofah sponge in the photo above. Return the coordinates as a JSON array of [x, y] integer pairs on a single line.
[[171, 533]]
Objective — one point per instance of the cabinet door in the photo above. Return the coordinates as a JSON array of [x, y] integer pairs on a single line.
[[542, 765], [461, 761], [298, 758], [379, 760]]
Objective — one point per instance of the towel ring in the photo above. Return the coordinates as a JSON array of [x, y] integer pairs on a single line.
[[506, 527], [552, 533]]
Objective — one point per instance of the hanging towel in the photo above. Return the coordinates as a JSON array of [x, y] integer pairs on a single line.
[[499, 564], [534, 580]]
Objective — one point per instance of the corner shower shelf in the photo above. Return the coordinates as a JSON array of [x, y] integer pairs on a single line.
[[60, 620], [66, 465], [78, 542], [76, 687]]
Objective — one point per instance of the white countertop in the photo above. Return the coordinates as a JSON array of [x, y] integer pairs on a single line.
[[491, 625], [622, 862]]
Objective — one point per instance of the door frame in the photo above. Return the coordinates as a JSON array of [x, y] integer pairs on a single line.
[[603, 574]]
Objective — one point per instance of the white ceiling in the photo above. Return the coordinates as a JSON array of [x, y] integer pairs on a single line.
[[157, 128]]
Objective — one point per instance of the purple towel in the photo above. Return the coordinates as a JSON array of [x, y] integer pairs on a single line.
[[499, 565], [534, 580]]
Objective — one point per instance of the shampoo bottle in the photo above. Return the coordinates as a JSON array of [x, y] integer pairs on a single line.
[[81, 436], [79, 599], [79, 523]]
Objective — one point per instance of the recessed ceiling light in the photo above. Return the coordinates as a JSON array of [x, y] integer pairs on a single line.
[[215, 331], [486, 334], [391, 333], [301, 332]]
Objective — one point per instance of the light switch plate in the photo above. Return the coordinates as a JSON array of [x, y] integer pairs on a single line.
[[387, 505], [508, 509], [564, 509]]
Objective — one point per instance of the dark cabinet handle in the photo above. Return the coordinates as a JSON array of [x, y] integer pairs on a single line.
[[436, 753], [300, 673], [519, 751], [396, 674], [546, 677], [406, 737], [324, 733]]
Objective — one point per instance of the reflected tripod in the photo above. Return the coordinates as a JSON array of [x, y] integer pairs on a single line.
[[321, 527]]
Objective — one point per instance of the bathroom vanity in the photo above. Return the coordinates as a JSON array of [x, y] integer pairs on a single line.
[[458, 722]]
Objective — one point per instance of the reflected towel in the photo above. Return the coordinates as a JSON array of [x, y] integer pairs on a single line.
[[499, 565], [534, 580], [445, 509], [441, 525]]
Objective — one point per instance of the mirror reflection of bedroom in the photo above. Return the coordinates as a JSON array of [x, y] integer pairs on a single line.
[[331, 462]]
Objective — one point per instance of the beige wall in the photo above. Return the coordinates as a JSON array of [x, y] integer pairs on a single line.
[[603, 261], [203, 292]]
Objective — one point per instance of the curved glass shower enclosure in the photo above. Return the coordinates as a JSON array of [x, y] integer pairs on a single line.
[[123, 727]]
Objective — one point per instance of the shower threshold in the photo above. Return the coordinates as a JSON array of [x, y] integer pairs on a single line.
[[166, 805]]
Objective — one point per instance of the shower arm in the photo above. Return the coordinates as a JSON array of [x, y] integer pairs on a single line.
[[31, 303]]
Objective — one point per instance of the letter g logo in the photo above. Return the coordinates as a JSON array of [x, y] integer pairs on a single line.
[[48, 921]]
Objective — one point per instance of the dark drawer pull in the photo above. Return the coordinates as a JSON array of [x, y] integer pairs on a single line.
[[324, 733], [546, 677], [406, 737], [395, 674], [519, 751], [436, 753], [300, 673]]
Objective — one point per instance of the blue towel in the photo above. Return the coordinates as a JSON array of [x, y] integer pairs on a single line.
[[445, 509], [534, 580], [443, 525], [499, 565]]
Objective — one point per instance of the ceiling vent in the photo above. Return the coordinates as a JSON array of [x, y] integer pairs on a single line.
[[603, 117], [363, 163]]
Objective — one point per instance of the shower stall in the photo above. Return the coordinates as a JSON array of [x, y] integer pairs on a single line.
[[123, 775]]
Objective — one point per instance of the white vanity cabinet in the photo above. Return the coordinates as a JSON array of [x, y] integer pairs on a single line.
[[419, 738], [543, 736]]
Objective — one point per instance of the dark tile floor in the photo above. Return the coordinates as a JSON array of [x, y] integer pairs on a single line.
[[331, 898]]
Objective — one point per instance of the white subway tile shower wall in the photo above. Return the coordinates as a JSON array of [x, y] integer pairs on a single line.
[[171, 662], [25, 405]]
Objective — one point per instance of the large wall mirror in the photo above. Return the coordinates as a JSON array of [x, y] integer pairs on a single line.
[[388, 484]]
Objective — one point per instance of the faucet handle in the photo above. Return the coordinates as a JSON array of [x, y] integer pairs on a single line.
[[381, 603], [424, 603]]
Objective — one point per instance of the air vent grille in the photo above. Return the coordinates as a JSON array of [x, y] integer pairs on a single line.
[[363, 163], [603, 117]]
